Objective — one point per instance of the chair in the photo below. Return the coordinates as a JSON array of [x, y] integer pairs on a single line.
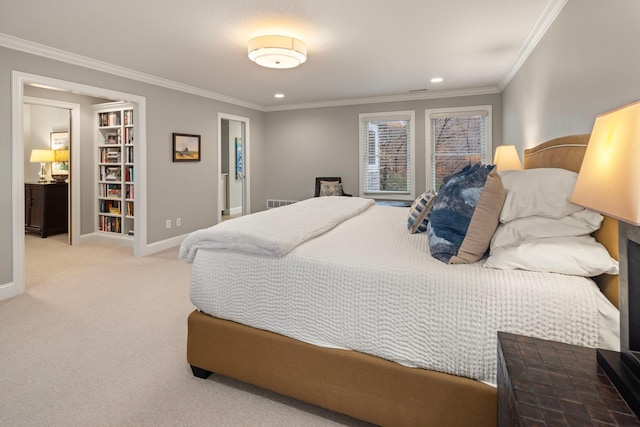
[[326, 178]]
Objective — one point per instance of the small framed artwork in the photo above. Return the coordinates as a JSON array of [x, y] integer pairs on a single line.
[[59, 142], [186, 147], [238, 158]]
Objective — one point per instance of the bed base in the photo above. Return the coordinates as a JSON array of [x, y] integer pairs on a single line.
[[362, 386]]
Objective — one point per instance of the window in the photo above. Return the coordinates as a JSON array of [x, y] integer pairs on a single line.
[[387, 155], [455, 138]]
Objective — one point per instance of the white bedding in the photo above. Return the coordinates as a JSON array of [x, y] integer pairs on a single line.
[[369, 285]]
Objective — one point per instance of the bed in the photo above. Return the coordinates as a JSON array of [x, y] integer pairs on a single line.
[[245, 330]]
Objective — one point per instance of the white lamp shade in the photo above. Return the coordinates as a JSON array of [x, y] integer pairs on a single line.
[[506, 158], [40, 156], [609, 179], [277, 51]]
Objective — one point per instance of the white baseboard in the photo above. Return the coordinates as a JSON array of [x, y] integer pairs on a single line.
[[162, 245], [8, 290], [234, 211]]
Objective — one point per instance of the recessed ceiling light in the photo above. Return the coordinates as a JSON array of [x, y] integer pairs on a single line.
[[436, 80], [279, 95]]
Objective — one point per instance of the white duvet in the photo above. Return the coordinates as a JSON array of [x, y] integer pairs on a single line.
[[370, 286]]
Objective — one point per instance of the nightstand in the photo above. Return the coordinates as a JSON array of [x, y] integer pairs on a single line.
[[547, 383], [46, 208]]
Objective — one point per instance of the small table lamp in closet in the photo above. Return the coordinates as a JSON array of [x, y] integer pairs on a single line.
[[506, 158], [609, 183], [42, 157]]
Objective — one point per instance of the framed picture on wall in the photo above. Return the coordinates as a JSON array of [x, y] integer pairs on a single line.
[[59, 143], [238, 158], [186, 147]]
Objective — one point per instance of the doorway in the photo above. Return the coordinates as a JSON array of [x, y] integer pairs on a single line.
[[43, 120], [233, 164], [18, 81]]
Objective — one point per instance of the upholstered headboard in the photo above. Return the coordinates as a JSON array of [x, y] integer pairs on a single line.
[[567, 153]]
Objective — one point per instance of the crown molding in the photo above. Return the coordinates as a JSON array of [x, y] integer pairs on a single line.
[[549, 14], [389, 98], [94, 64]]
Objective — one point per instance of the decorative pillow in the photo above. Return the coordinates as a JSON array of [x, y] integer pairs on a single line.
[[331, 188], [578, 256], [541, 192], [465, 214], [580, 223], [420, 211]]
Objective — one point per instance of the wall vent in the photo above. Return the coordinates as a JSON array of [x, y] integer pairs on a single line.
[[271, 203]]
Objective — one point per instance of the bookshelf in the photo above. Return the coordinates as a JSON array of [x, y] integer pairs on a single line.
[[115, 167]]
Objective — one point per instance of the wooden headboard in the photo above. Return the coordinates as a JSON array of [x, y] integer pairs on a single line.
[[567, 153]]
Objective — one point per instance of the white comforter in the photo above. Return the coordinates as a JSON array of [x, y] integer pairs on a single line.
[[369, 285]]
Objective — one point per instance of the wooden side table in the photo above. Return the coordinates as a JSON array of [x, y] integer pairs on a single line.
[[547, 383]]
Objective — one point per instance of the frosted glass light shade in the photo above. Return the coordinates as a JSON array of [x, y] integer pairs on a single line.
[[609, 179], [277, 51], [506, 158]]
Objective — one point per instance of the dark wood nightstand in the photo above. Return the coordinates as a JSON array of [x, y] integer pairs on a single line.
[[546, 383], [46, 208]]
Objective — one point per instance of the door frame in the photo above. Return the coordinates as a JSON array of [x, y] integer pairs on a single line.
[[74, 170], [18, 81], [246, 197]]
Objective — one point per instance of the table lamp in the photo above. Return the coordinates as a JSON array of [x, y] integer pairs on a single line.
[[609, 183], [506, 158], [42, 157]]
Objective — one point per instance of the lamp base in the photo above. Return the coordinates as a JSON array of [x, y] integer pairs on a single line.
[[628, 384]]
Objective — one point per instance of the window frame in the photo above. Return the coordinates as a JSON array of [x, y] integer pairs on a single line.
[[457, 111], [410, 195]]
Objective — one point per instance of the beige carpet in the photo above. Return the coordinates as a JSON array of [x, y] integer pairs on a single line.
[[99, 339]]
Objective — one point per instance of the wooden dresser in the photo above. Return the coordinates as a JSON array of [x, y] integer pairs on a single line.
[[46, 208]]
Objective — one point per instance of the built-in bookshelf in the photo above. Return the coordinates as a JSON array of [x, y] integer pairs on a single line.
[[115, 167]]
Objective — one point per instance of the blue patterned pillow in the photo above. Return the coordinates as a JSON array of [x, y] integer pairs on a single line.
[[420, 211], [465, 214]]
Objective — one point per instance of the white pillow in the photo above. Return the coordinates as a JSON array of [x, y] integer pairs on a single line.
[[578, 256], [536, 227], [542, 192]]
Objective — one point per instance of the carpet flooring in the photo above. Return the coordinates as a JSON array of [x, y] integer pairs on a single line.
[[99, 339]]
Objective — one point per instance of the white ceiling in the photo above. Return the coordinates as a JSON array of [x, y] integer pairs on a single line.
[[356, 48]]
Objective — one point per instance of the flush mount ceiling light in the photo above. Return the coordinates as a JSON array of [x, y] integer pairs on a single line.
[[277, 51]]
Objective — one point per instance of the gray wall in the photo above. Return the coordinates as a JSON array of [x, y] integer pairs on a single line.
[[304, 144], [587, 63], [174, 189]]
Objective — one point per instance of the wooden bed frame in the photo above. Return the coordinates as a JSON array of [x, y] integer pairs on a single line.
[[363, 386]]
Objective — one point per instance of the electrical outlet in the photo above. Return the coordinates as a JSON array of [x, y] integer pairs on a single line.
[[168, 223], [178, 222]]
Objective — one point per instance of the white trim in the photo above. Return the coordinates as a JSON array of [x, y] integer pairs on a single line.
[[162, 245], [8, 290], [427, 134], [83, 61], [390, 115], [549, 14], [246, 185], [391, 98], [235, 211], [94, 64], [18, 81], [76, 146]]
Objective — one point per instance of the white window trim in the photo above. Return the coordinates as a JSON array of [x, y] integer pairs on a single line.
[[454, 110], [412, 157]]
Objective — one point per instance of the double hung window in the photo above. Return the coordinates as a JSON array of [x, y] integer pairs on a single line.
[[455, 138], [387, 151]]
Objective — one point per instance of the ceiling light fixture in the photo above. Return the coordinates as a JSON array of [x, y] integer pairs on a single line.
[[279, 95], [437, 80], [277, 51]]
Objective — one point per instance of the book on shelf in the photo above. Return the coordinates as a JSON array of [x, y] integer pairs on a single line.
[[110, 173], [128, 117], [111, 190], [128, 135]]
